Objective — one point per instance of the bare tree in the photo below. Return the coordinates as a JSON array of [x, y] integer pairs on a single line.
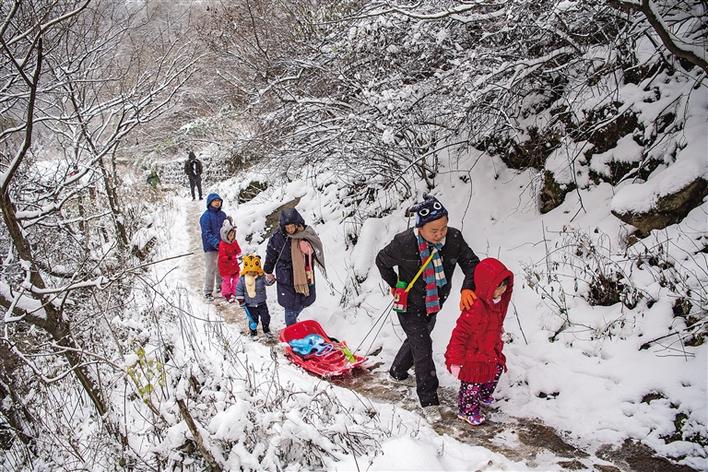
[[383, 88], [72, 92]]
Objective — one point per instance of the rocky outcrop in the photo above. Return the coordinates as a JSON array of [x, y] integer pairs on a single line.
[[534, 151], [607, 127], [669, 209], [251, 191], [552, 193]]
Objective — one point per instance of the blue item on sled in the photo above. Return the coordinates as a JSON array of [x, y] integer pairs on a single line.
[[309, 344]]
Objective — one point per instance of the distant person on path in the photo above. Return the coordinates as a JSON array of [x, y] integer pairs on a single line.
[[229, 252], [474, 354], [210, 223], [293, 251], [409, 251], [193, 169], [251, 294]]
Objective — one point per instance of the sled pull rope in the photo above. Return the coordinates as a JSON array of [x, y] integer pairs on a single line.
[[387, 310], [371, 344]]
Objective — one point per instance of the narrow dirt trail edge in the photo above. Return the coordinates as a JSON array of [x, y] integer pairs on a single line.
[[526, 440]]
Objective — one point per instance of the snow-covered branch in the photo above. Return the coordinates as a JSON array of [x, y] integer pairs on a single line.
[[455, 13], [696, 54]]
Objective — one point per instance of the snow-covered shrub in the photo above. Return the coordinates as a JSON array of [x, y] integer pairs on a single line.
[[580, 266], [680, 275], [255, 421], [195, 395], [274, 425], [587, 266]]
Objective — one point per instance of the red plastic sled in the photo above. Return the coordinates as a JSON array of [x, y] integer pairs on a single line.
[[332, 364]]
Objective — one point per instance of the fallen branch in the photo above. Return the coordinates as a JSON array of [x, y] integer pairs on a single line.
[[206, 454]]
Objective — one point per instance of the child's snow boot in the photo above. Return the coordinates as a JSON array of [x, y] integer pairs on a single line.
[[254, 333], [488, 400], [474, 419]]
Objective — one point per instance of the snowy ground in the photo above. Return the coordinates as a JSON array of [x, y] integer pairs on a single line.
[[590, 384]]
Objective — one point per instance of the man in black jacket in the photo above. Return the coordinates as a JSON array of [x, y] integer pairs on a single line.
[[408, 251], [193, 169]]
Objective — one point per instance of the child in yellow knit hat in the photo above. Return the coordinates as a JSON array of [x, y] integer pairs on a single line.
[[251, 294]]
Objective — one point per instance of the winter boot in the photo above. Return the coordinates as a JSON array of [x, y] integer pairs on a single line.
[[432, 413], [488, 400], [254, 333], [408, 380], [474, 419]]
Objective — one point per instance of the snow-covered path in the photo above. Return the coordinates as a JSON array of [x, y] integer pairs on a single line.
[[522, 440], [193, 266], [526, 440]]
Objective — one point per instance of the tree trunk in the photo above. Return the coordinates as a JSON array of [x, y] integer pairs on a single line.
[[114, 205], [53, 323], [12, 408]]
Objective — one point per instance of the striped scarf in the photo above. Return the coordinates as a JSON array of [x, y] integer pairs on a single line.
[[433, 274]]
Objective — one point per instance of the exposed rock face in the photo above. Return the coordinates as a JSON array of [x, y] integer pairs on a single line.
[[603, 128], [534, 151], [251, 191], [669, 209], [604, 138], [552, 193], [531, 153]]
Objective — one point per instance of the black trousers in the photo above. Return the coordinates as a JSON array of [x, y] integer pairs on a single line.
[[417, 352], [195, 181], [258, 312]]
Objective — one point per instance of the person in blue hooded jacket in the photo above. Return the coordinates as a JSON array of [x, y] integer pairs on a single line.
[[292, 251], [210, 223]]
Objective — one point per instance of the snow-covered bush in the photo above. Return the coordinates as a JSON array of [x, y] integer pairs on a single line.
[[197, 397], [586, 266]]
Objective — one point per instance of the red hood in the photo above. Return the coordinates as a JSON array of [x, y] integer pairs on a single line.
[[488, 274]]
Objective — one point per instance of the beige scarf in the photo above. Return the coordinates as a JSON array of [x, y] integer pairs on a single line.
[[250, 280], [301, 283]]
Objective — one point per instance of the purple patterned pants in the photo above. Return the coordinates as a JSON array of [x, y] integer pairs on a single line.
[[471, 394]]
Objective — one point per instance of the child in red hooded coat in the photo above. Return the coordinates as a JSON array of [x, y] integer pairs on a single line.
[[229, 252], [474, 354]]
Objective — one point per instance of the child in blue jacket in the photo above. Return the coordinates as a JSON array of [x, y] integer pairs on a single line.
[[251, 294]]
